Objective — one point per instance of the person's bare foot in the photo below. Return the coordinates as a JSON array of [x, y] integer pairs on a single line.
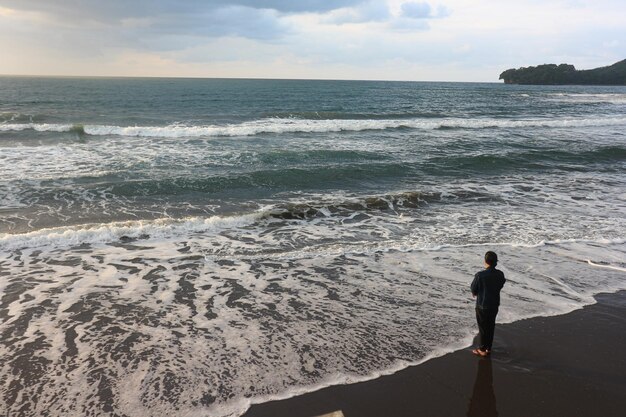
[[481, 353]]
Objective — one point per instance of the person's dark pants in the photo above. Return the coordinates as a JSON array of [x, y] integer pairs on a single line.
[[486, 319]]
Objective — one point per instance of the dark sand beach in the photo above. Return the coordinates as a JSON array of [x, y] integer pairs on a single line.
[[569, 365]]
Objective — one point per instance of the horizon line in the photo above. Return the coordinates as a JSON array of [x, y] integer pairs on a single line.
[[239, 78]]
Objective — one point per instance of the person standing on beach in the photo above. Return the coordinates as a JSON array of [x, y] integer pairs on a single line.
[[486, 288]]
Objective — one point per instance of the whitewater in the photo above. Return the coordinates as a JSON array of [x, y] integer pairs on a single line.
[[297, 125]]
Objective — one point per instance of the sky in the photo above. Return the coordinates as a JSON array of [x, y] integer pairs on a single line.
[[450, 40]]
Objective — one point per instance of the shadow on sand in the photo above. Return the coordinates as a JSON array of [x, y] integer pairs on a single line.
[[483, 401]]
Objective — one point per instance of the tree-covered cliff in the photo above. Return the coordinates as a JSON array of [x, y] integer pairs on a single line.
[[566, 74]]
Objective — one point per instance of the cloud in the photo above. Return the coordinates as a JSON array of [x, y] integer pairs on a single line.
[[148, 22], [143, 21], [169, 23], [410, 16], [415, 16], [414, 10], [371, 11], [318, 6], [112, 10], [247, 22], [422, 10]]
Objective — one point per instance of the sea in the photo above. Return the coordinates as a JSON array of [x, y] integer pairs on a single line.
[[191, 247]]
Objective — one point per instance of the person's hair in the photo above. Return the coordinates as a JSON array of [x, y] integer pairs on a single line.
[[491, 258]]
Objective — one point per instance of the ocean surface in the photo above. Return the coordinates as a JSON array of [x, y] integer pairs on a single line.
[[189, 247]]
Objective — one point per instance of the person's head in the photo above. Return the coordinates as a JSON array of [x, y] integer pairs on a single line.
[[491, 259]]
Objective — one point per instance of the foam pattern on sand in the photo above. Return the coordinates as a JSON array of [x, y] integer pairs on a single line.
[[169, 326]]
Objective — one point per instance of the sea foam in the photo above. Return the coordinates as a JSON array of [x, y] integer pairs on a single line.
[[60, 237], [160, 328]]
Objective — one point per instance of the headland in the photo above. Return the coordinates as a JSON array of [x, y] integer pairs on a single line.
[[565, 74]]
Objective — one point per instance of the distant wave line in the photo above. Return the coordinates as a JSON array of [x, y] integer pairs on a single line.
[[295, 125]]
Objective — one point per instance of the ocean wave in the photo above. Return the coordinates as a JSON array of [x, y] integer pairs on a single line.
[[394, 202], [287, 178], [297, 125], [343, 115], [610, 98], [15, 117], [40, 127], [125, 231], [528, 160], [167, 228]]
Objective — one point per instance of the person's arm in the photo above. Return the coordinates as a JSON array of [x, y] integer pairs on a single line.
[[475, 286]]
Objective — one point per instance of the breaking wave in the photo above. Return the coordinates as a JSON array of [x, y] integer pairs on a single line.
[[123, 231], [588, 98], [296, 125], [165, 227], [341, 209]]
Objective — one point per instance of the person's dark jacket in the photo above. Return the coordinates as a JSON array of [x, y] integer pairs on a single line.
[[486, 287]]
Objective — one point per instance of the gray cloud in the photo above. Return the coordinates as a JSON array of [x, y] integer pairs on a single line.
[[371, 11], [299, 5], [120, 9], [247, 22], [145, 22], [415, 16], [162, 24]]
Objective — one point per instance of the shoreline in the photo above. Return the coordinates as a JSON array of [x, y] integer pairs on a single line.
[[550, 366]]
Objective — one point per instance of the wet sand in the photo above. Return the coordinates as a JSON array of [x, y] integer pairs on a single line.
[[570, 365]]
